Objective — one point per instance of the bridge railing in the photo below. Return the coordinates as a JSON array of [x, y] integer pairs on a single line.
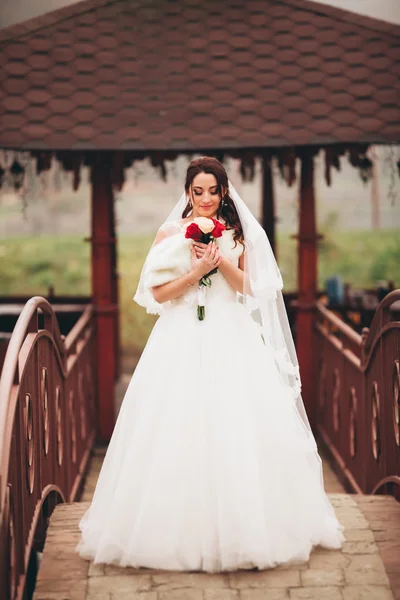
[[47, 429], [358, 392]]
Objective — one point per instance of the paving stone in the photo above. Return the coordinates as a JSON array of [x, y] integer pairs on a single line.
[[385, 505], [366, 569], [322, 577], [121, 595], [360, 547], [100, 450], [64, 519], [316, 593], [387, 534], [380, 521], [352, 518], [367, 592], [118, 584], [116, 570], [221, 594], [338, 500], [96, 570], [63, 588], [332, 485], [347, 510], [395, 584], [65, 545], [58, 567], [65, 551], [187, 594], [368, 499], [331, 481], [68, 510], [265, 579], [202, 581], [87, 496], [359, 535], [328, 559], [77, 595], [265, 594], [297, 565]]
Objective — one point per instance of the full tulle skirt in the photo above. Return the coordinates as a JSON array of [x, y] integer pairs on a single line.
[[209, 466]]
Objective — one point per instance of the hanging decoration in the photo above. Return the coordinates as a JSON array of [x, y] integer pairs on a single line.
[[43, 161], [390, 160], [118, 170], [332, 159], [12, 169], [17, 173], [365, 169], [14, 165], [220, 156], [286, 158], [158, 162], [358, 158], [247, 166]]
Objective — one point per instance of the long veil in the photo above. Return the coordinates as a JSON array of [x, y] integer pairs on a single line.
[[262, 295]]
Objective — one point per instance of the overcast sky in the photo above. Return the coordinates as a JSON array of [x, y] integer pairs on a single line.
[[14, 11]]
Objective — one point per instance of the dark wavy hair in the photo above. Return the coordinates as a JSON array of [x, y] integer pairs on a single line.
[[208, 164]]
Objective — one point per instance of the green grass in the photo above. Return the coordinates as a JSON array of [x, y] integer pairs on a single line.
[[29, 265], [136, 324], [362, 258]]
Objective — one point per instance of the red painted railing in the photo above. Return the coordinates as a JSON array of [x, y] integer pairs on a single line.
[[358, 393], [47, 429]]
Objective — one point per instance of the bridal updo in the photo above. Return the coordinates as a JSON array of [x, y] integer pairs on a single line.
[[227, 209]]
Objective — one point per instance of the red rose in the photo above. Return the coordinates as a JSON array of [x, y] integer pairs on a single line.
[[218, 229], [193, 232]]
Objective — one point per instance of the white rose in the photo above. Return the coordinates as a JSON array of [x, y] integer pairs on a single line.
[[206, 225]]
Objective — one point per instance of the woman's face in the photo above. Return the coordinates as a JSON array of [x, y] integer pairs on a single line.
[[204, 195]]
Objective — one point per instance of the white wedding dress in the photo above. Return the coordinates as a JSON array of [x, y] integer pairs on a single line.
[[209, 467]]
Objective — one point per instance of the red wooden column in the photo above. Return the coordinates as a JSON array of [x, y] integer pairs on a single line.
[[115, 293], [268, 202], [104, 289], [307, 283]]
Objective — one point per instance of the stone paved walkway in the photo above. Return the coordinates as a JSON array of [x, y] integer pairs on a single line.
[[365, 569]]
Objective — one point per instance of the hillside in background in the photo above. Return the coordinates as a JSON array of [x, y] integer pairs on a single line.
[[144, 202]]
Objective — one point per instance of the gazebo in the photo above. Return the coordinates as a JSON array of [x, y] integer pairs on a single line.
[[106, 82]]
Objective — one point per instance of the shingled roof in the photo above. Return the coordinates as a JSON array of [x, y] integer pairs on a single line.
[[196, 74]]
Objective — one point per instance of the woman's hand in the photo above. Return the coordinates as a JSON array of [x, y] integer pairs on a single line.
[[200, 249], [205, 257]]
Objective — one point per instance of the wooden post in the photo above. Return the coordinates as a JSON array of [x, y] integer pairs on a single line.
[[375, 189], [104, 289], [268, 202], [307, 284], [115, 292]]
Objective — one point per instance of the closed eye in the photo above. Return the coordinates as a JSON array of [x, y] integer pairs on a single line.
[[213, 191]]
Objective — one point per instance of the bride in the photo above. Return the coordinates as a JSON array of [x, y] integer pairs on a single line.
[[212, 465]]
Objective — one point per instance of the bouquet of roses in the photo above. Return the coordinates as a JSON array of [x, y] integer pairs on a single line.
[[204, 230]]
